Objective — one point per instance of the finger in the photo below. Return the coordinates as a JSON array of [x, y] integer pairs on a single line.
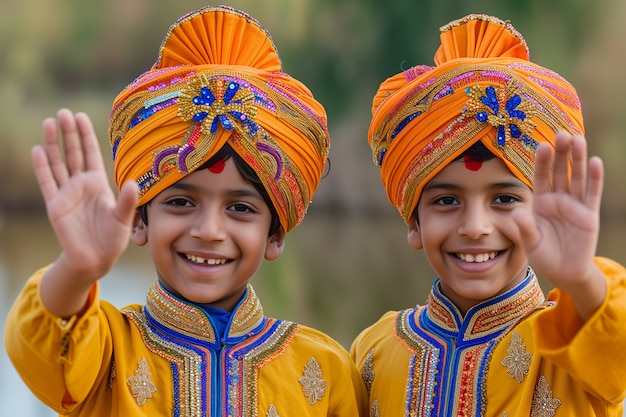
[[578, 184], [53, 156], [71, 141], [90, 146], [43, 173], [561, 167], [595, 184], [127, 202], [542, 181]]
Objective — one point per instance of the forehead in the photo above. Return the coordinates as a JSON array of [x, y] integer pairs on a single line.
[[222, 175], [466, 174]]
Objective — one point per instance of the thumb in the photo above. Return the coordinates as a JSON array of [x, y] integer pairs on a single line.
[[127, 202], [527, 225]]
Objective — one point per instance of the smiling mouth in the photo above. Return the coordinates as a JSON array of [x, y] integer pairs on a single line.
[[476, 258], [205, 261]]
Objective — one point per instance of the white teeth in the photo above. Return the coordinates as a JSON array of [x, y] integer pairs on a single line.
[[481, 257], [200, 260]]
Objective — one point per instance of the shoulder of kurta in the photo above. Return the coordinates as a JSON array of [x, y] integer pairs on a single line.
[[310, 339], [372, 337]]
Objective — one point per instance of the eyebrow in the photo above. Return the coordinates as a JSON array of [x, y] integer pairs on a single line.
[[237, 192], [434, 185]]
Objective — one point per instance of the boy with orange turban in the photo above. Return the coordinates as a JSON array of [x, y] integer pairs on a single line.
[[221, 152], [484, 158]]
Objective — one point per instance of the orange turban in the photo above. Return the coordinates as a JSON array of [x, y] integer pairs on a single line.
[[218, 80], [483, 88]]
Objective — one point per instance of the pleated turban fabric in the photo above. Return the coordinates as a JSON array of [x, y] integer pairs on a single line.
[[218, 80], [483, 87]]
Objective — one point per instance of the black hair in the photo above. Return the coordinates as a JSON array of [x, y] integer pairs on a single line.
[[477, 152], [226, 152]]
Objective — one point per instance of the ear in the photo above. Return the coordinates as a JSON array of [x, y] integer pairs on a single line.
[[275, 245], [414, 237], [139, 232]]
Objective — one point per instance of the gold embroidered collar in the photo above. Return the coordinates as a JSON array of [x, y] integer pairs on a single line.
[[488, 317], [191, 320]]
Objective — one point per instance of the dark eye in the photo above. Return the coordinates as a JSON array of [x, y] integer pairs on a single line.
[[240, 208], [505, 199], [179, 202], [446, 201]]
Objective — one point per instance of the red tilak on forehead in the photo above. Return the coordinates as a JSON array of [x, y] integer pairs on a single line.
[[471, 163], [217, 167]]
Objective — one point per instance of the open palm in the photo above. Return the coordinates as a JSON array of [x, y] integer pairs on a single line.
[[561, 233], [91, 225]]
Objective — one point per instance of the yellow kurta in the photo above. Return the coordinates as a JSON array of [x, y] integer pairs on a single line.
[[511, 356], [164, 359]]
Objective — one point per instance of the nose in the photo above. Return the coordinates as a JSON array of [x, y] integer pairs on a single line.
[[476, 221], [209, 225]]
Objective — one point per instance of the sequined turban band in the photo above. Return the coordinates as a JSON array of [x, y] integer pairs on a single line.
[[218, 79], [483, 88]]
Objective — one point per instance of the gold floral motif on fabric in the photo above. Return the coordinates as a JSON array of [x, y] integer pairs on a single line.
[[543, 403], [517, 360], [141, 386], [271, 412], [368, 373], [312, 383]]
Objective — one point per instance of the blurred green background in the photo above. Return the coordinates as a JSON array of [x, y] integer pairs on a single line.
[[348, 262]]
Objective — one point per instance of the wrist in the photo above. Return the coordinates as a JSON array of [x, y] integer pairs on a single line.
[[65, 291], [589, 293]]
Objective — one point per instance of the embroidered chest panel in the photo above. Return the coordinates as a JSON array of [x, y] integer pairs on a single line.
[[209, 382], [443, 379], [213, 373], [450, 354]]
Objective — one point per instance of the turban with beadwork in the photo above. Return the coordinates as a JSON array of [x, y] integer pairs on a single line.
[[218, 80], [483, 88]]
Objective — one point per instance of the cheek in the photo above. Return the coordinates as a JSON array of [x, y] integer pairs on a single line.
[[435, 231]]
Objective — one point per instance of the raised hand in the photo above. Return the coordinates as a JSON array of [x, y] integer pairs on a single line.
[[561, 233], [90, 223]]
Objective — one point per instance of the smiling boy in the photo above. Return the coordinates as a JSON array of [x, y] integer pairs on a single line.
[[463, 224], [483, 155], [217, 154]]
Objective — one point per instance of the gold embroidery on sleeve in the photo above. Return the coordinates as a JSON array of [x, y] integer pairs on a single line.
[[374, 412], [140, 385], [312, 383], [112, 374], [543, 403], [518, 360], [368, 370], [272, 411]]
